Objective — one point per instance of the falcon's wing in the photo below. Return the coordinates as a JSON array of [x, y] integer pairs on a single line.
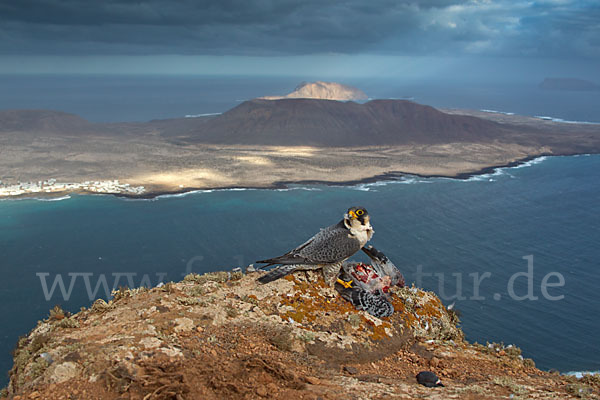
[[330, 245]]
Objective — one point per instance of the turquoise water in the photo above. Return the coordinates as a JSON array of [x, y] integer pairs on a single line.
[[549, 209]]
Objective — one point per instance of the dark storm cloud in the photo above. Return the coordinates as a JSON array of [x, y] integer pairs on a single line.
[[283, 27]]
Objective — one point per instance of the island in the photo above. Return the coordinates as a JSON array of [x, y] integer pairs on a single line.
[[223, 335], [270, 144], [568, 84]]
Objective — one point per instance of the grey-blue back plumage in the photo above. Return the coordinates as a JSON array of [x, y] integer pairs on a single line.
[[326, 250], [329, 245]]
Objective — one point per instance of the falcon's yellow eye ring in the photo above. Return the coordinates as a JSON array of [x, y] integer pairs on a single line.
[[359, 212]]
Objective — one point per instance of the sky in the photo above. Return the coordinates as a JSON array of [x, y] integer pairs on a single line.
[[287, 37]]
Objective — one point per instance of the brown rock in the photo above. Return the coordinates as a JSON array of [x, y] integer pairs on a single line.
[[312, 380], [350, 370], [183, 324], [262, 391], [434, 362], [65, 371], [74, 356], [272, 388]]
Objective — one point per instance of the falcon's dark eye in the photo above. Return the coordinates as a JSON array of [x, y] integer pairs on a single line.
[[359, 212]]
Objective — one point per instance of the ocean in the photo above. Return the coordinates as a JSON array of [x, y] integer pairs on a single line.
[[439, 232], [516, 250]]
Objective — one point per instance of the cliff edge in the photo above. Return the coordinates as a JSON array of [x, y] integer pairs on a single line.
[[222, 335]]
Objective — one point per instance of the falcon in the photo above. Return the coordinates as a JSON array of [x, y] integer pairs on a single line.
[[367, 286], [326, 250]]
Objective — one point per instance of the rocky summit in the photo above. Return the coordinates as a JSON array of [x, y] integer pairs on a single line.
[[324, 91], [223, 335]]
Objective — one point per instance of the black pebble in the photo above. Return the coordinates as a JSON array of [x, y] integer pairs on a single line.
[[429, 379]]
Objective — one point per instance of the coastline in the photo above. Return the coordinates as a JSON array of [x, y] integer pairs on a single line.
[[161, 163], [386, 177], [286, 184]]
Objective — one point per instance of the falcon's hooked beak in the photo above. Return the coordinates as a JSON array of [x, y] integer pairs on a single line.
[[358, 214]]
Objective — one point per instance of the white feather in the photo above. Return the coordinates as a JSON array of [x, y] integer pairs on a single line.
[[362, 232]]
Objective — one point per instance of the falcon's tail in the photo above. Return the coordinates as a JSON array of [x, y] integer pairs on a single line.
[[285, 259], [277, 273], [376, 305]]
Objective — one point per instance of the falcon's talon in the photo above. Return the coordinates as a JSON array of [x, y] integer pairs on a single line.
[[344, 283]]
